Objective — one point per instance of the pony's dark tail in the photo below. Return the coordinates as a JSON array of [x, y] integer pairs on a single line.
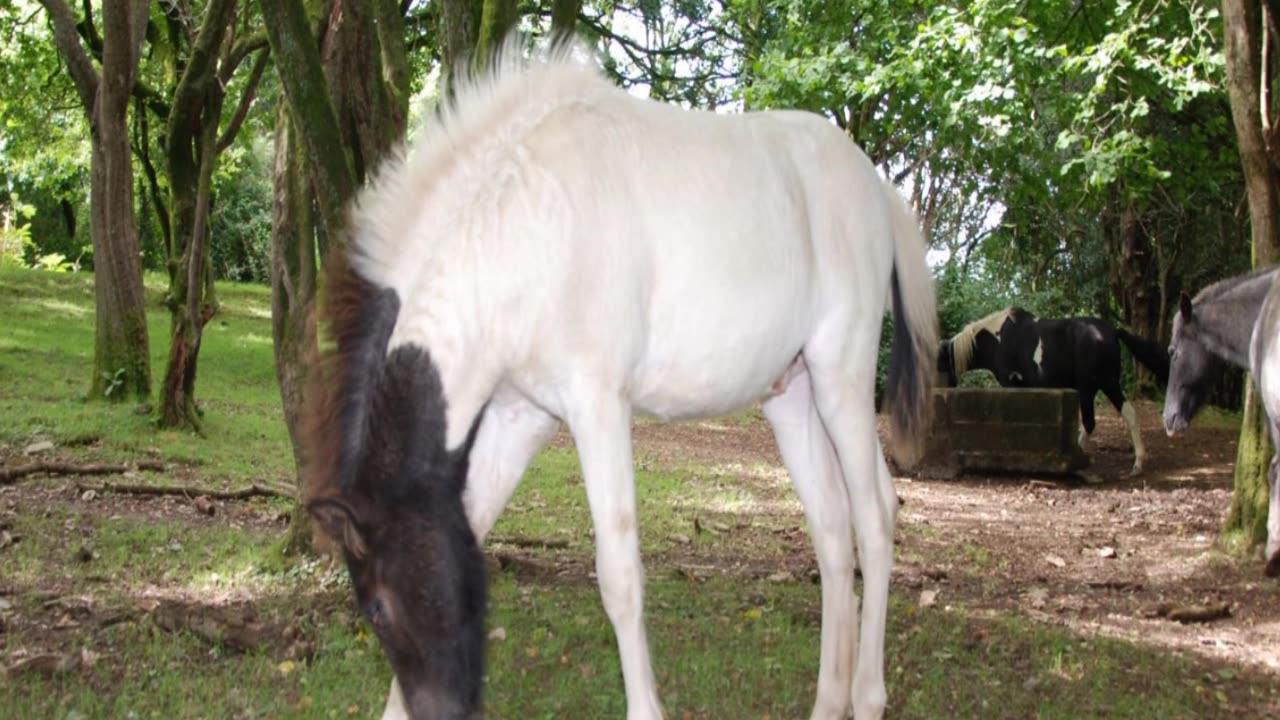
[[913, 355], [1150, 354]]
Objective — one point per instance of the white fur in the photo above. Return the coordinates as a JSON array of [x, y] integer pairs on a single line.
[[566, 251], [1264, 362]]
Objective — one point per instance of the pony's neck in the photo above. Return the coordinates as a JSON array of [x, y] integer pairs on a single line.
[[1226, 322]]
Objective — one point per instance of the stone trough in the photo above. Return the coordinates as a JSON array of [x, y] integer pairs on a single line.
[[1026, 431]]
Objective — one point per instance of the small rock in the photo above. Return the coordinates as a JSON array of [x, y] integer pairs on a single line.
[[1055, 561], [1037, 597], [204, 507], [89, 495], [1107, 552], [681, 538], [88, 658], [928, 598], [498, 633], [781, 577], [37, 447], [5, 604]]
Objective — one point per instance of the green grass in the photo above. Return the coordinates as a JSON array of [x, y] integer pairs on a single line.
[[46, 346], [725, 647]]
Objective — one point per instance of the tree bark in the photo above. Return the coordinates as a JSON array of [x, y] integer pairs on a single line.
[[460, 21], [356, 99], [1242, 25], [302, 74], [1138, 288], [122, 361], [564, 18], [497, 17], [192, 135]]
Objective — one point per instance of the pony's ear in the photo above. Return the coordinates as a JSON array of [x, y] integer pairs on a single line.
[[337, 519], [1184, 306], [986, 341]]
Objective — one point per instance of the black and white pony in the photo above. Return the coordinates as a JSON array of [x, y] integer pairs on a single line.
[[554, 249], [1081, 353], [972, 349], [1235, 321]]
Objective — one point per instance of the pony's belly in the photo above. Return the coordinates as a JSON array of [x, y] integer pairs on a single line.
[[711, 385]]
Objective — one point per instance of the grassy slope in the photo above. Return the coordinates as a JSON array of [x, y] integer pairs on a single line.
[[724, 648]]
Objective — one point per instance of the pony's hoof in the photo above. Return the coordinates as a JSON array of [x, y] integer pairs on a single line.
[[1136, 471], [1273, 565]]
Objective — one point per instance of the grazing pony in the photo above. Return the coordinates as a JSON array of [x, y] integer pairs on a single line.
[[554, 249], [1235, 321], [963, 352], [1081, 353]]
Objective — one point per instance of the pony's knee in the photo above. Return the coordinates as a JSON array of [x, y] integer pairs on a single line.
[[869, 698], [621, 589]]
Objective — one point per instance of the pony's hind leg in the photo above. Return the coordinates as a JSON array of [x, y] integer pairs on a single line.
[[601, 426], [1273, 505], [844, 392], [1130, 415], [815, 471]]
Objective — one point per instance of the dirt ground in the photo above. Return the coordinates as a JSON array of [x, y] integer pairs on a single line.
[[1099, 558]]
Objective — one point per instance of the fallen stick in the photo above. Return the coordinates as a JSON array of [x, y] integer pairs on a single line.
[[518, 541], [1188, 613], [1200, 613], [188, 491], [10, 475]]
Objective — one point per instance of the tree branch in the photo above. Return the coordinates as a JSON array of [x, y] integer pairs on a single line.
[[242, 49], [246, 101], [10, 475], [67, 40]]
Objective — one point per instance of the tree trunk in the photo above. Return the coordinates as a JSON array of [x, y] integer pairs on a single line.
[[293, 292], [122, 361], [497, 17], [1137, 276], [460, 25], [1242, 25], [306, 90], [355, 100], [564, 18], [192, 136]]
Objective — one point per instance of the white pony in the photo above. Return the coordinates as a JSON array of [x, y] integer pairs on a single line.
[[554, 249]]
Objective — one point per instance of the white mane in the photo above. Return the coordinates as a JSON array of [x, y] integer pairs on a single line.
[[962, 343], [469, 146]]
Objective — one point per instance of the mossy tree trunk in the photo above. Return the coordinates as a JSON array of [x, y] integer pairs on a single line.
[[356, 100], [122, 361], [1253, 112]]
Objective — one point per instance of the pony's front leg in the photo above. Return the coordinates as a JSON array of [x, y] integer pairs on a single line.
[[601, 427], [511, 433]]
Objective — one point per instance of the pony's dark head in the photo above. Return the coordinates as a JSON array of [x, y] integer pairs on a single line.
[[1020, 352], [1192, 369], [989, 354], [382, 485]]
